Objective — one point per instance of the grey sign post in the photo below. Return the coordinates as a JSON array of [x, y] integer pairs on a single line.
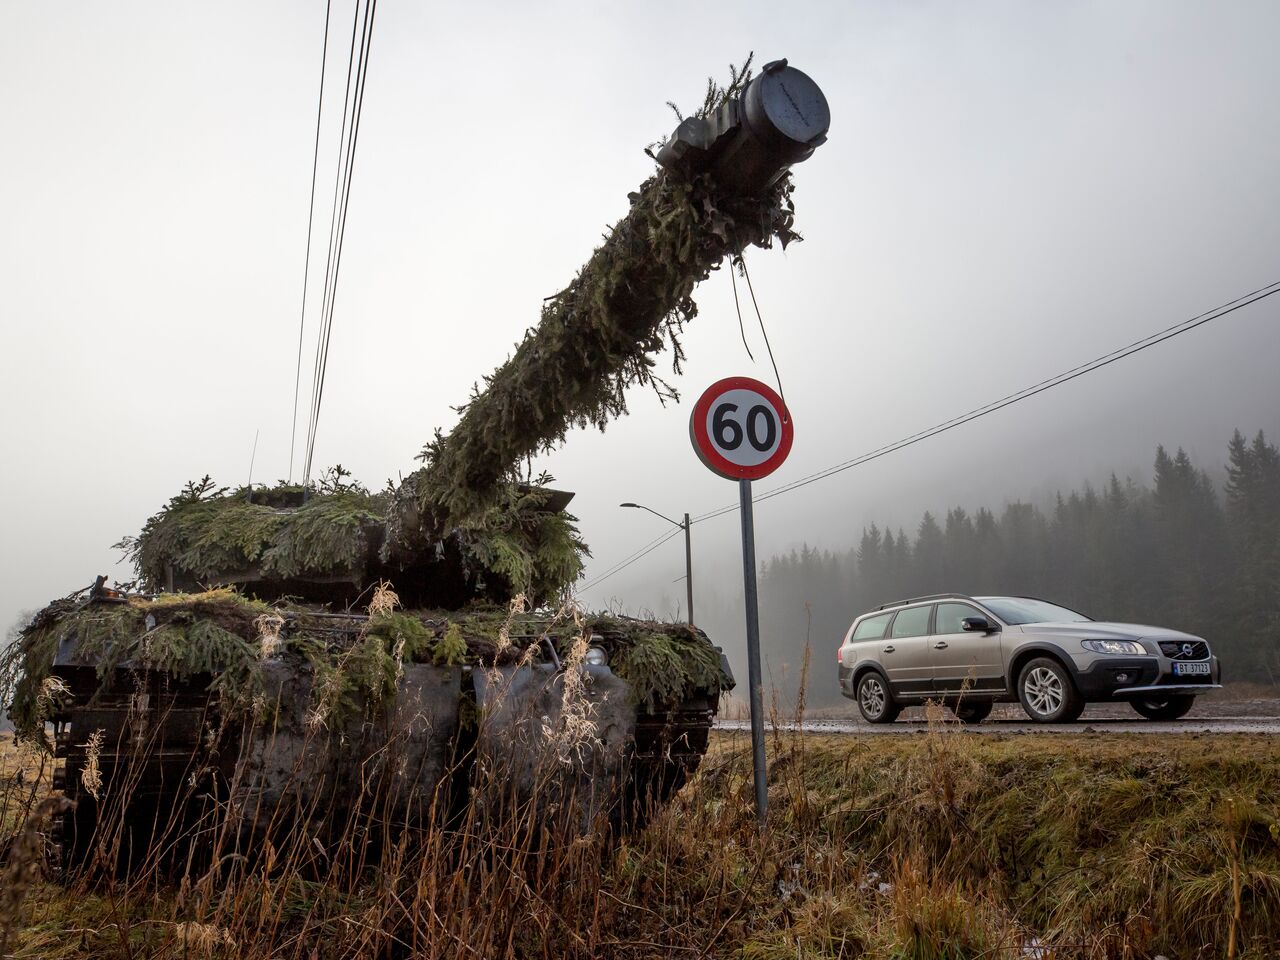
[[754, 672], [741, 430]]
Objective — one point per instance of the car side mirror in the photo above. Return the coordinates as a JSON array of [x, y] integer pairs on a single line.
[[978, 625]]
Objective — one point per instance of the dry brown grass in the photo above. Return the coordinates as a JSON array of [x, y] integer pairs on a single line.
[[942, 845]]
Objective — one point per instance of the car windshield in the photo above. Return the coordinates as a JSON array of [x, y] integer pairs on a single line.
[[1015, 610]]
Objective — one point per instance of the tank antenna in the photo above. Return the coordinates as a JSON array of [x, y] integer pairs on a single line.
[[252, 456]]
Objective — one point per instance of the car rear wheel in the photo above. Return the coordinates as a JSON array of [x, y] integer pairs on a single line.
[[1047, 693], [972, 711], [1165, 708], [874, 700]]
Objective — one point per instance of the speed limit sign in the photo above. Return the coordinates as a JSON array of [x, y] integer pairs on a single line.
[[741, 429]]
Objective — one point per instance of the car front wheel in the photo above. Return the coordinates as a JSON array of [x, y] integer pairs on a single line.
[[874, 700], [1165, 708], [1047, 693]]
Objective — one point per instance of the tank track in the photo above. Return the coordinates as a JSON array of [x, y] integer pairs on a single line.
[[160, 742], [143, 735], [669, 746]]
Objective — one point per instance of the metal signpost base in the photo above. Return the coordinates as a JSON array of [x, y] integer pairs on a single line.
[[753, 652]]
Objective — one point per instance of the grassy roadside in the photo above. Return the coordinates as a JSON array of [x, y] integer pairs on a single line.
[[1127, 846], [941, 845]]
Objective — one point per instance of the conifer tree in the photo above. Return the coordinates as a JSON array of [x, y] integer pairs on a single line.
[[1253, 511], [927, 558]]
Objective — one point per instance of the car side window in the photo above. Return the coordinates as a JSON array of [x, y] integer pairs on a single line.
[[951, 616], [872, 628], [912, 622]]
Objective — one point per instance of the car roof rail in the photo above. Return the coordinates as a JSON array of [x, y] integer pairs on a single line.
[[932, 596], [1014, 596]]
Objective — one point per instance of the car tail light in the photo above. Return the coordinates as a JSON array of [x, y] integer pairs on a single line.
[[840, 654]]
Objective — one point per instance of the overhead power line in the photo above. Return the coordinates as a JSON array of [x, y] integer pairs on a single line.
[[1065, 377], [321, 340], [352, 109], [1056, 381], [311, 212], [623, 564]]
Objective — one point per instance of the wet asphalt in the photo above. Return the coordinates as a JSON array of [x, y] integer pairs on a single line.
[[1086, 725]]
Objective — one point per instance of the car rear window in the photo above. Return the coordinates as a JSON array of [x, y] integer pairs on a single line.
[[872, 628], [912, 622]]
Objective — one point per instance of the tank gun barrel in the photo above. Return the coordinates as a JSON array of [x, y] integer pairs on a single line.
[[748, 142], [722, 185], [464, 527]]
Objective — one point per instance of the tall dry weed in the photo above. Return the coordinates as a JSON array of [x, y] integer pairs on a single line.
[[91, 775], [268, 627], [25, 862]]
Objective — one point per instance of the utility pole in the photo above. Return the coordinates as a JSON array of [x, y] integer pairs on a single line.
[[688, 552], [688, 567]]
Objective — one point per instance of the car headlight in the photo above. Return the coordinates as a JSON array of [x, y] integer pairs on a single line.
[[1129, 647], [596, 656]]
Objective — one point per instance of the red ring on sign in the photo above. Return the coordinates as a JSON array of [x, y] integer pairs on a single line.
[[706, 450]]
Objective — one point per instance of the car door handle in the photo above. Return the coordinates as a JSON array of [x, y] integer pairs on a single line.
[[940, 645], [889, 649]]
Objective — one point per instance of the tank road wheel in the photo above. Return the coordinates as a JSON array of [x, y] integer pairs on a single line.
[[972, 711], [1047, 693], [1165, 708], [875, 702]]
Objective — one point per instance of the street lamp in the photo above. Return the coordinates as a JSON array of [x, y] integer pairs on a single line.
[[688, 550]]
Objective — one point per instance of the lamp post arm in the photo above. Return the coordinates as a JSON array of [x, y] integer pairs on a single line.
[[641, 506]]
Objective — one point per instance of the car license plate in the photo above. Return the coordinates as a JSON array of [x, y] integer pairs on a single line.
[[1191, 669]]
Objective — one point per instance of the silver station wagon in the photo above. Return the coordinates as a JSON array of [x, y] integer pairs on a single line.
[[973, 652]]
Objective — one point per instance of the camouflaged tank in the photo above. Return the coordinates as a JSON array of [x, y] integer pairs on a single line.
[[296, 664]]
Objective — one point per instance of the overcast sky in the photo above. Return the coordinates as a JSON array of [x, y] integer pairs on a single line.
[[1009, 189]]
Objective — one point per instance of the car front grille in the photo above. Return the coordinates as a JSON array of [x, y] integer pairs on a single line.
[[1185, 649]]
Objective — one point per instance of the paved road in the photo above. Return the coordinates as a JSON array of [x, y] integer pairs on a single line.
[[1191, 725], [1234, 715]]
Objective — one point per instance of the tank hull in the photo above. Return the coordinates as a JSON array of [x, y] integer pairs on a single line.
[[164, 777]]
